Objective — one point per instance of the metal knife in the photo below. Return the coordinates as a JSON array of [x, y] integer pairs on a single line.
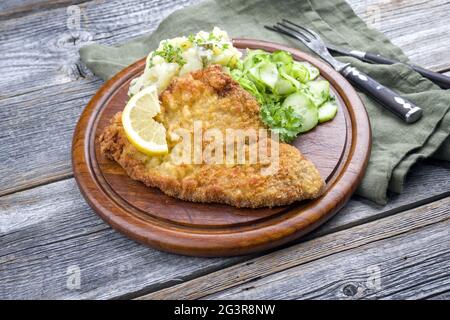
[[440, 79]]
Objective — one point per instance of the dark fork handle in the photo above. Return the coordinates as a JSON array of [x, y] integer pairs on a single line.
[[439, 79], [402, 107]]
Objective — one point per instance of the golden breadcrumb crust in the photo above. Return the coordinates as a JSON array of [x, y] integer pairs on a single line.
[[212, 96]]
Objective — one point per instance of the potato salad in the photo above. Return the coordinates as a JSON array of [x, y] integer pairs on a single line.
[[181, 55]]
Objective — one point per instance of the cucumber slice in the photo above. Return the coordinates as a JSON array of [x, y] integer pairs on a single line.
[[300, 72], [282, 56], [305, 109], [327, 111], [253, 75], [268, 74], [313, 71], [319, 91], [254, 57], [284, 87]]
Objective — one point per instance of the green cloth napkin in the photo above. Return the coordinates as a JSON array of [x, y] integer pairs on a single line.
[[396, 145]]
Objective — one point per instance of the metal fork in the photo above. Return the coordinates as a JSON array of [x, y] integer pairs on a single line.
[[400, 106]]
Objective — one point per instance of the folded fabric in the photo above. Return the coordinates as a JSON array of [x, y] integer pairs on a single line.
[[396, 146]]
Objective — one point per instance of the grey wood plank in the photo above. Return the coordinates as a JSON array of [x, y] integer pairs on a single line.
[[415, 26], [10, 9], [440, 296], [47, 229], [42, 92], [409, 252], [43, 46], [423, 178], [36, 133], [413, 266]]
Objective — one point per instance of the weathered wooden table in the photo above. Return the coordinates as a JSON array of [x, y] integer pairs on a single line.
[[52, 245]]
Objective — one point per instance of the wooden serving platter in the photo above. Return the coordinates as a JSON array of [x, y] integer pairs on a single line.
[[340, 149]]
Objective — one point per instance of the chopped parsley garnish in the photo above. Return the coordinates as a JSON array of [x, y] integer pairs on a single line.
[[211, 42], [170, 54]]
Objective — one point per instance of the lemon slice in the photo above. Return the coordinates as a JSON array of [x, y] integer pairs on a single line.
[[146, 134]]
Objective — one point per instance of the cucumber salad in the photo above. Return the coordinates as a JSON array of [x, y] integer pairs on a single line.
[[292, 98]]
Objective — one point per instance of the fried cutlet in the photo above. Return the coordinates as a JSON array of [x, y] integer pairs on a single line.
[[214, 98]]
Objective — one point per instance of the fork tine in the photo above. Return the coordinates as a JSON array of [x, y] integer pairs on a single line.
[[311, 32], [310, 39], [289, 33], [295, 32], [276, 29], [281, 31]]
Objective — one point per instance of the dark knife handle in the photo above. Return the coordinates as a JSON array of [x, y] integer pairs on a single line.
[[402, 107], [439, 79]]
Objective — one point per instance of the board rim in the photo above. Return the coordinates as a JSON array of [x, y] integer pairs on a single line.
[[247, 239]]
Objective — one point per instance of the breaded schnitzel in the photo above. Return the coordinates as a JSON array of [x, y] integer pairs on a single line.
[[213, 97]]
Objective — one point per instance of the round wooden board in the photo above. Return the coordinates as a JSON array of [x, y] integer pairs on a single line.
[[340, 150]]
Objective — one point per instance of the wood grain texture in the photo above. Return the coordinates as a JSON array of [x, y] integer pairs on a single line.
[[413, 25], [412, 266], [47, 229], [156, 220], [402, 247], [39, 53], [43, 103], [11, 9], [418, 188], [51, 39], [440, 296], [36, 134], [406, 23]]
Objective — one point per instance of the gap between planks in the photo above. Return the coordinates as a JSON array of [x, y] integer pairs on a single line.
[[306, 252], [39, 183]]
